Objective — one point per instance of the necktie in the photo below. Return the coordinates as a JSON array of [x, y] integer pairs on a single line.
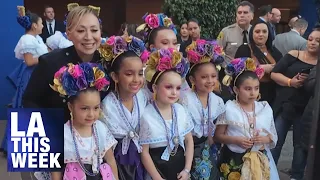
[[50, 29], [245, 40]]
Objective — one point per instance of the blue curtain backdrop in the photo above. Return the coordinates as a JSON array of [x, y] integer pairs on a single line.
[[308, 10], [10, 32]]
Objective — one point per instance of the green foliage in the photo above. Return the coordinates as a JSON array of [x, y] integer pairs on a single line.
[[213, 15]]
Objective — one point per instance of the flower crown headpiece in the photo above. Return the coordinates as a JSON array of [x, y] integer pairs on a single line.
[[239, 65], [71, 6], [23, 19], [153, 21], [116, 45], [71, 79], [163, 60], [202, 51]]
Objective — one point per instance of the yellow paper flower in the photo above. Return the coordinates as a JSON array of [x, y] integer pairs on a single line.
[[250, 64], [98, 74], [191, 46], [176, 58], [153, 60], [106, 52], [167, 22], [224, 168], [205, 59], [234, 176]]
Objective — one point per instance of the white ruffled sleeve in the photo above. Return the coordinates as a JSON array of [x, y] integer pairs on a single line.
[[58, 41], [26, 44]]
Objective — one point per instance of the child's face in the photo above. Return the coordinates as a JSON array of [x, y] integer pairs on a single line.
[[130, 77], [168, 89], [85, 108], [205, 78], [248, 91]]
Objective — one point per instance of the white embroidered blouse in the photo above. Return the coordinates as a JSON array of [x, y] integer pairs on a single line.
[[153, 131], [87, 145], [199, 114], [238, 123], [121, 121]]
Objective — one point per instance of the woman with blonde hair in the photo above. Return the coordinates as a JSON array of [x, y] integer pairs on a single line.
[[84, 30]]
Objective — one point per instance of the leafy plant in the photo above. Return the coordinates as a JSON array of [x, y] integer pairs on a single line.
[[213, 15]]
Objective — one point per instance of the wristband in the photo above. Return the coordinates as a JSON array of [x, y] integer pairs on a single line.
[[289, 82], [187, 171]]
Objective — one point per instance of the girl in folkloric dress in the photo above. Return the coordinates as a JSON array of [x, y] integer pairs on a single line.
[[203, 105], [165, 133], [60, 40], [28, 49], [160, 33], [247, 127], [88, 143], [125, 103]]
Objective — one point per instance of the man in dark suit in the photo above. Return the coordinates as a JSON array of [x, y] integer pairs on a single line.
[[50, 25], [266, 16]]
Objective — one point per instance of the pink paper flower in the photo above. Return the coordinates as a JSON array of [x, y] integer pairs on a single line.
[[260, 72], [144, 56], [235, 61], [60, 72], [111, 40], [193, 56], [152, 20], [201, 41], [76, 71], [165, 60], [218, 49], [164, 66], [101, 83]]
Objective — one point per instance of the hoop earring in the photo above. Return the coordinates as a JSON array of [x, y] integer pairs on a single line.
[[154, 96], [237, 100], [71, 116], [193, 87], [259, 97]]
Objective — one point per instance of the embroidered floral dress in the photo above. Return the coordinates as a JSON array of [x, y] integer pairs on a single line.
[[124, 125], [156, 132], [205, 161], [232, 155]]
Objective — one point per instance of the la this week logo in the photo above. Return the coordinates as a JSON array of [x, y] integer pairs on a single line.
[[35, 150]]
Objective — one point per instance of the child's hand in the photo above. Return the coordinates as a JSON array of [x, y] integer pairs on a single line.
[[244, 142], [183, 175], [261, 139]]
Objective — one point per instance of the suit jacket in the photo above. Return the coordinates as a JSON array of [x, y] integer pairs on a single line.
[[38, 93], [288, 41], [58, 26]]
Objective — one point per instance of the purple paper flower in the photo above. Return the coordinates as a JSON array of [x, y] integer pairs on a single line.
[[88, 72], [239, 66], [201, 49], [81, 82], [165, 53], [119, 45]]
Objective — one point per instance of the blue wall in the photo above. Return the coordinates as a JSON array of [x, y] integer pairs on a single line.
[[10, 32], [309, 12]]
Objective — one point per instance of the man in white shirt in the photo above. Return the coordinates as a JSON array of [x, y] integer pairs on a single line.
[[293, 39], [50, 25]]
